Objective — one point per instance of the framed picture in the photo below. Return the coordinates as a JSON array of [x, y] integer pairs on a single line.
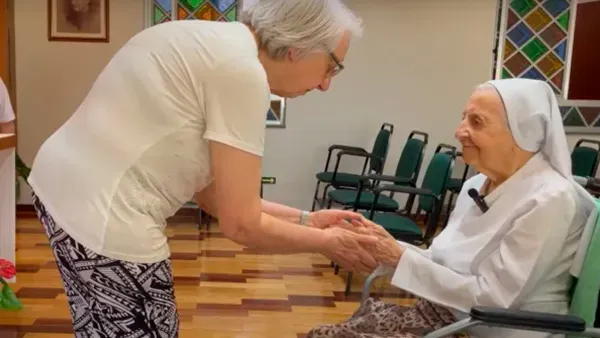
[[276, 113], [78, 20]]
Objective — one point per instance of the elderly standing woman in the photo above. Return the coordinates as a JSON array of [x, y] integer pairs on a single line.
[[520, 253], [178, 112]]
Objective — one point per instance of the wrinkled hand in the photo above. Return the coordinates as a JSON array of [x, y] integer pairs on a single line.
[[386, 250], [347, 249], [366, 227], [326, 218]]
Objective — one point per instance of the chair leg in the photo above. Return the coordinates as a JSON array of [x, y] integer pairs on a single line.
[[410, 201], [208, 221], [336, 270], [314, 204], [348, 283], [199, 219], [324, 198]]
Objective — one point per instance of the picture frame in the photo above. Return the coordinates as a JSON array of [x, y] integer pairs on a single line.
[[78, 21], [276, 115]]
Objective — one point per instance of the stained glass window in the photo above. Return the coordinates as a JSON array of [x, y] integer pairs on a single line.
[[536, 40], [213, 10], [161, 11]]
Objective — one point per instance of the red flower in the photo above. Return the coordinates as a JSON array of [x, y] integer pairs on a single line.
[[7, 269]]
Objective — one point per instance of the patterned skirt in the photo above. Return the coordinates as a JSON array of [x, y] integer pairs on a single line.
[[376, 319], [112, 298]]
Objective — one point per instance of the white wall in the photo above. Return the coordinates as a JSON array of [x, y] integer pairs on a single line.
[[53, 77], [414, 67]]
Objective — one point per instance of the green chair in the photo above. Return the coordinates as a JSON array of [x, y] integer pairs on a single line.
[[582, 320], [591, 184], [430, 201], [407, 173], [374, 162], [584, 159]]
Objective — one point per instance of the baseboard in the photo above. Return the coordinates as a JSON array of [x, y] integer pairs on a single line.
[[26, 211]]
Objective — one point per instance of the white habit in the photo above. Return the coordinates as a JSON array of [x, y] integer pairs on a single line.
[[517, 254]]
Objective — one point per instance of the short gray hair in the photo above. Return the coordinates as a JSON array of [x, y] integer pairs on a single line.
[[308, 25]]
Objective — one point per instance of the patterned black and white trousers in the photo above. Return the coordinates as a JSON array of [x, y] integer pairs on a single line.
[[112, 298]]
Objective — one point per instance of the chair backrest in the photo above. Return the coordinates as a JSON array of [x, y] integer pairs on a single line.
[[584, 301], [380, 148], [437, 175], [409, 164], [584, 159]]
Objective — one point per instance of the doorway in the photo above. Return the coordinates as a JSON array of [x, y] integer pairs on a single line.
[[7, 48]]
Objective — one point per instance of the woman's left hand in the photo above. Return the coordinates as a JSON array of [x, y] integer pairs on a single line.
[[326, 218], [386, 251]]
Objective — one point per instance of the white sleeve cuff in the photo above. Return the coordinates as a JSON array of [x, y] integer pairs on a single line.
[[406, 274]]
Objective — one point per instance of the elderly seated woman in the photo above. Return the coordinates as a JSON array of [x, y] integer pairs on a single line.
[[520, 253]]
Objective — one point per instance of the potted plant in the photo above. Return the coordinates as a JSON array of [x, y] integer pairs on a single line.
[[22, 173], [8, 299]]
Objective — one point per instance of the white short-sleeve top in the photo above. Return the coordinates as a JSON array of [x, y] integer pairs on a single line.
[[136, 149]]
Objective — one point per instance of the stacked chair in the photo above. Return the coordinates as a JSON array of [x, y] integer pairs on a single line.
[[584, 164], [407, 173], [584, 158], [402, 225], [374, 164]]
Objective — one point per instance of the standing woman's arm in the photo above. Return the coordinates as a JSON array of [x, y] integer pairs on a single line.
[[236, 98], [281, 211], [206, 200], [239, 210]]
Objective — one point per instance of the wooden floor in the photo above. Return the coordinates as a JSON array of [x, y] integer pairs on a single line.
[[222, 289]]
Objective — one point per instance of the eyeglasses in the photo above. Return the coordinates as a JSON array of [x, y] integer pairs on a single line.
[[338, 66]]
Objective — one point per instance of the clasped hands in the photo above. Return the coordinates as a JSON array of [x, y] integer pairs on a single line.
[[354, 242]]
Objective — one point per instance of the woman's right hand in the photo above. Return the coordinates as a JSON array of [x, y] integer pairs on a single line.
[[366, 226], [346, 248], [386, 250]]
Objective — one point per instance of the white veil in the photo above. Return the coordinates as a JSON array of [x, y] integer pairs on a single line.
[[536, 125]]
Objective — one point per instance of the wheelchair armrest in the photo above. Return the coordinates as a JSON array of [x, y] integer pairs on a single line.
[[584, 181], [389, 178], [344, 147], [405, 189], [527, 320], [592, 183], [378, 272]]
